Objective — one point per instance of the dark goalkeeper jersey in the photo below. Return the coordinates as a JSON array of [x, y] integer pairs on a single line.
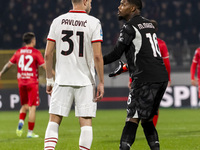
[[138, 41]]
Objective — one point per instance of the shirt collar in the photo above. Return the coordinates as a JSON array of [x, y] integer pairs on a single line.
[[77, 11]]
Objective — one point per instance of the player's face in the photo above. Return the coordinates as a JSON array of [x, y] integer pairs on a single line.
[[88, 6], [125, 10], [34, 41]]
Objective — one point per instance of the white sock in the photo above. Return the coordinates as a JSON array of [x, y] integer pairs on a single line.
[[86, 137], [30, 131], [51, 136], [21, 121]]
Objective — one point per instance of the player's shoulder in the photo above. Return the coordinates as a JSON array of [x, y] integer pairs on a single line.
[[35, 49], [128, 28], [19, 50], [93, 18], [134, 23], [59, 17], [160, 41], [198, 49]]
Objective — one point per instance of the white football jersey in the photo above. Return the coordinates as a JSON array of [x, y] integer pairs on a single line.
[[74, 33]]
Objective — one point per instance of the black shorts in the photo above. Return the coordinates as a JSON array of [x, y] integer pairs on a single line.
[[144, 99]]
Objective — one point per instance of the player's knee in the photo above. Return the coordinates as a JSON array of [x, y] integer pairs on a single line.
[[124, 146]]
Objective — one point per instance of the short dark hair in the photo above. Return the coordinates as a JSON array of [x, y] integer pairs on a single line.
[[76, 1], [138, 3], [27, 37]]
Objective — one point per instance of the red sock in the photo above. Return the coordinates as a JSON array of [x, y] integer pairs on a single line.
[[31, 125], [155, 120], [22, 116]]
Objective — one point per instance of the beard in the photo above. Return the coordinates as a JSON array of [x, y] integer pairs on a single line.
[[120, 18]]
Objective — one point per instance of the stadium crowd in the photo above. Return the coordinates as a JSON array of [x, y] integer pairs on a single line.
[[177, 20]]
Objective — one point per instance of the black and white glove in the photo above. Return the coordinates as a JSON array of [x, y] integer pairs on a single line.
[[120, 69]]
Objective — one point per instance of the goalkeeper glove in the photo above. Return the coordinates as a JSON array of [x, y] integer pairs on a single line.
[[120, 69]]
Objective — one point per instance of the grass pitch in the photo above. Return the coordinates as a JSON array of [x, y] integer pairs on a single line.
[[179, 129]]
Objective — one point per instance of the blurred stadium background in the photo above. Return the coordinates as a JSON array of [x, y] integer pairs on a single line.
[[178, 27]]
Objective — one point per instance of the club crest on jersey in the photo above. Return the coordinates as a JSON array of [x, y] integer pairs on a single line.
[[101, 32], [121, 39]]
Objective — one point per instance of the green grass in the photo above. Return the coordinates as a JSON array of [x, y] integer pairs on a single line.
[[179, 129]]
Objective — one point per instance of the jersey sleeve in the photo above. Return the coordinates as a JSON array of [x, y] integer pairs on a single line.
[[194, 64], [97, 35], [192, 70], [13, 59], [40, 58], [165, 55], [115, 54], [196, 56], [52, 36], [127, 34], [163, 49], [168, 68]]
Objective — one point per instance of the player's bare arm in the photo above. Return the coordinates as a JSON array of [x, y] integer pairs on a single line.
[[49, 65], [194, 82], [5, 68], [44, 67], [98, 60], [192, 72]]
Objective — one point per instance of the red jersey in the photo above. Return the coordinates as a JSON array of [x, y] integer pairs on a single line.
[[28, 59], [165, 55], [195, 62]]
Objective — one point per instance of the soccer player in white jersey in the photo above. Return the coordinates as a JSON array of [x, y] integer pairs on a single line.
[[77, 37]]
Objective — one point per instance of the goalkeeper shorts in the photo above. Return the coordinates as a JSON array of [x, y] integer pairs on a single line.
[[144, 99]]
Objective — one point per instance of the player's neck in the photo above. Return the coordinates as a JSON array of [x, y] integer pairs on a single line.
[[78, 7], [29, 45], [136, 13]]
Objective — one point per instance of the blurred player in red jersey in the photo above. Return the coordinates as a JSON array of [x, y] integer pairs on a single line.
[[28, 59], [165, 55], [195, 63]]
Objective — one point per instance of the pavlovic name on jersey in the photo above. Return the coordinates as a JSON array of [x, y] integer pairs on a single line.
[[72, 22]]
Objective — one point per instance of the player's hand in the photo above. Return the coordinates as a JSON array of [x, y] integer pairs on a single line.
[[100, 92], [0, 75], [194, 82], [169, 83], [49, 85], [129, 84], [49, 90], [120, 69]]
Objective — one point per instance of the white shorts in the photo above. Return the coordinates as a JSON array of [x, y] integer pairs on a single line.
[[63, 96]]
